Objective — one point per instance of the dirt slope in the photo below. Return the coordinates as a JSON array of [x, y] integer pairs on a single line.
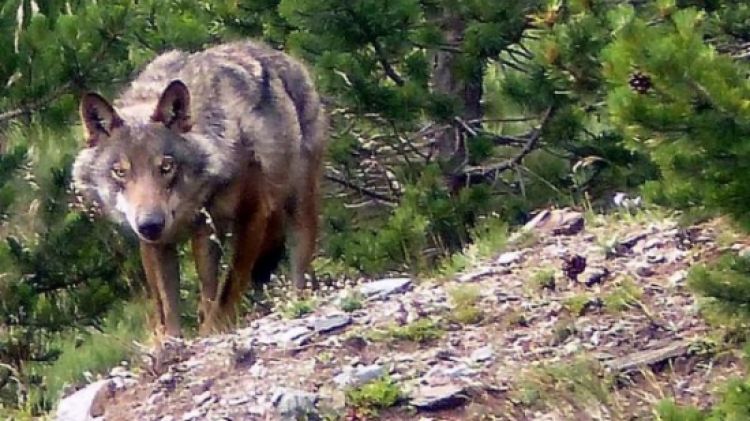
[[588, 320]]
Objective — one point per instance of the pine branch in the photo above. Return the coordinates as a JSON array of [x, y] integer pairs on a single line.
[[387, 68], [361, 190], [37, 105], [530, 144]]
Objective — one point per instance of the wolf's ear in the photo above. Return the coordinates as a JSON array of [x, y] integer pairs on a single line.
[[99, 118], [173, 109]]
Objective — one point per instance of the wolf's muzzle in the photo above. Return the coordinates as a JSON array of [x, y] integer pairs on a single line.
[[150, 226]]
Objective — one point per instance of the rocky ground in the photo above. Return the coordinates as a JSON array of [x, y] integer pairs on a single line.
[[579, 318]]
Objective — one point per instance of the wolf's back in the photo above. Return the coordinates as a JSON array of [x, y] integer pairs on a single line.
[[247, 100]]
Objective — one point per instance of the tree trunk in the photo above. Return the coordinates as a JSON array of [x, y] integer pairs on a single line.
[[460, 76]]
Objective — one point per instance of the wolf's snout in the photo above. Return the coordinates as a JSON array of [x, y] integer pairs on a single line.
[[151, 225]]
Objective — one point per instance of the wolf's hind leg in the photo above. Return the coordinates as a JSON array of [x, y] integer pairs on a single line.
[[249, 232], [304, 216], [163, 272], [207, 255]]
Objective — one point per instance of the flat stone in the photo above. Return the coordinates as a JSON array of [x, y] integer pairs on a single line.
[[385, 287], [331, 322], [292, 335], [654, 258], [509, 258], [192, 415], [482, 354], [293, 403], [433, 398], [202, 398], [239, 400], [475, 275], [557, 222], [678, 278], [357, 376], [644, 270], [78, 406], [650, 357], [442, 372], [595, 276]]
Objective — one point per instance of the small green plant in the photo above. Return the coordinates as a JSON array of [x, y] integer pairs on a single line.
[[421, 331], [516, 318], [562, 330], [374, 396], [351, 301], [577, 304], [575, 383], [465, 300], [544, 279], [625, 295], [95, 352], [527, 393], [523, 239], [487, 238], [298, 308], [608, 245]]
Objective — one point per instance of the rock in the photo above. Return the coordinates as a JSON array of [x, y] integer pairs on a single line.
[[630, 242], [653, 243], [655, 258], [557, 222], [482, 354], [441, 372], [573, 266], [644, 270], [678, 278], [192, 415], [202, 398], [294, 404], [596, 276], [650, 357], [78, 406], [384, 287], [243, 355], [239, 400], [121, 371], [357, 376], [509, 258], [433, 398], [622, 200], [331, 322], [155, 398], [296, 335], [475, 275]]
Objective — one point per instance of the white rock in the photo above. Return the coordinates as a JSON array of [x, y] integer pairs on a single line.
[[77, 406], [384, 287]]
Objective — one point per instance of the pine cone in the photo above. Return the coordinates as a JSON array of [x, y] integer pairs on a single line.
[[640, 82]]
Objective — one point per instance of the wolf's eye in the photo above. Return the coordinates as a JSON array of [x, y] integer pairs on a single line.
[[119, 172], [167, 165]]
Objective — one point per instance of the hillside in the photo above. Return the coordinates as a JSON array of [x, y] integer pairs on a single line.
[[578, 317]]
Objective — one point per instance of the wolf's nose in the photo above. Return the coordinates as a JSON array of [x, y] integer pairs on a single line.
[[151, 226]]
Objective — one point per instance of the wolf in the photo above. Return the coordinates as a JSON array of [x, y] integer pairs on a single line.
[[201, 146]]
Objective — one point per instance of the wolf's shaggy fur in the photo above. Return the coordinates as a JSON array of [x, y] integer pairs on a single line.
[[236, 130]]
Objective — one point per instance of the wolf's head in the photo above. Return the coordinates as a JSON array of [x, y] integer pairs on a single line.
[[143, 171]]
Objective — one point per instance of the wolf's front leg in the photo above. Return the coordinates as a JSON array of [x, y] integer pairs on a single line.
[[207, 255], [163, 272]]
